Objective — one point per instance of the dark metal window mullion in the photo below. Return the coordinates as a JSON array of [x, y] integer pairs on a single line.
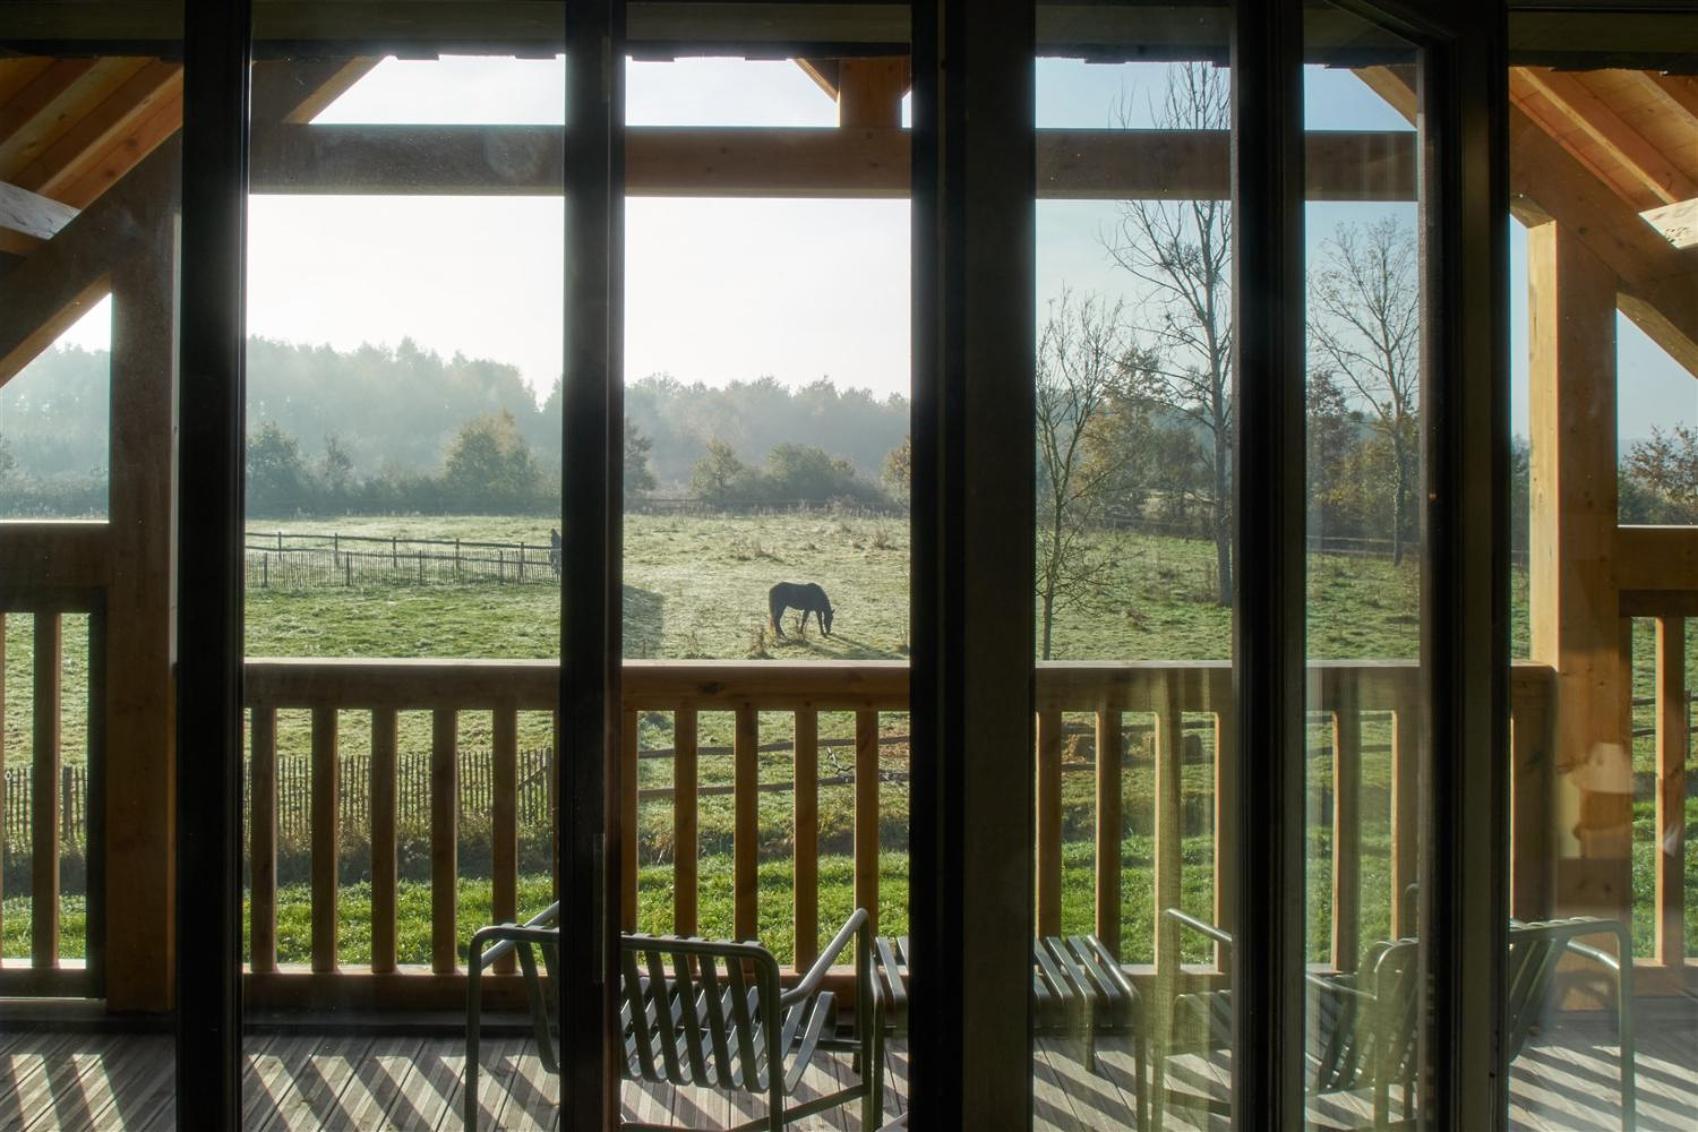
[[1465, 594], [590, 623], [211, 398], [1269, 516]]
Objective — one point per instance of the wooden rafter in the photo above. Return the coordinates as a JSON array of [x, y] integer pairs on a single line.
[[1580, 110], [286, 90], [1682, 92], [27, 219], [78, 149]]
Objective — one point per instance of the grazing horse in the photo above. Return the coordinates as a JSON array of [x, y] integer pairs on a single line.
[[806, 596], [554, 549]]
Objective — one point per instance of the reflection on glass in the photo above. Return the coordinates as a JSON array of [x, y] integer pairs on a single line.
[[1135, 587], [766, 531], [1601, 867], [88, 198], [1363, 436]]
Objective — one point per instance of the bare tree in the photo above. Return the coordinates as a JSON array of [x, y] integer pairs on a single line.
[[1181, 253], [1085, 357], [1365, 325]]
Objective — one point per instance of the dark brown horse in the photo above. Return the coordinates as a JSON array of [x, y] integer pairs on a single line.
[[806, 596]]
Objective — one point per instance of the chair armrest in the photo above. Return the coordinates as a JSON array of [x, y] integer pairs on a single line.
[[540, 929], [1202, 927], [810, 984]]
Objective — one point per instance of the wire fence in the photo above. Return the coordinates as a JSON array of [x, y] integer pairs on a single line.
[[280, 560], [19, 799]]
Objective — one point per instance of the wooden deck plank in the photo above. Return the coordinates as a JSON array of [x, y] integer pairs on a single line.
[[68, 1080]]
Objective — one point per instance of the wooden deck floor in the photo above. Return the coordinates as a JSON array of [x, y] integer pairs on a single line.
[[56, 1081]]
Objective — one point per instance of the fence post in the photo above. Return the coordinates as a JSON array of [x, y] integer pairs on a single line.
[[500, 567], [279, 542], [521, 564], [394, 553], [421, 567], [264, 570], [347, 571], [456, 560]]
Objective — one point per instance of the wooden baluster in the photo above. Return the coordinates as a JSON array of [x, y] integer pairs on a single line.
[[1672, 745], [1110, 754], [1049, 821], [1532, 842], [262, 833], [1226, 809], [628, 820], [326, 837], [1406, 807], [1346, 823], [866, 814], [746, 823], [504, 853], [1168, 791], [44, 791], [807, 889], [444, 841], [384, 874], [686, 837]]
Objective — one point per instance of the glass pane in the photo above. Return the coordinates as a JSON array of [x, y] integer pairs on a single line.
[[89, 183], [1135, 584], [1602, 871], [766, 532], [405, 283], [1364, 426]]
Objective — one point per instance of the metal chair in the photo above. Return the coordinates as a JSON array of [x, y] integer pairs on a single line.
[[706, 1013], [1362, 1027]]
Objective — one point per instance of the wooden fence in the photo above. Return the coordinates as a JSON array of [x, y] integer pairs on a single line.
[[73, 807], [297, 561]]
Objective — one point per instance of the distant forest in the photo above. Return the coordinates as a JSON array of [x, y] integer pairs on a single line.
[[391, 427]]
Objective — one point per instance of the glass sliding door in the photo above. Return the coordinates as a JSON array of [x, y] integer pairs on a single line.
[[90, 173], [1369, 260], [1601, 867]]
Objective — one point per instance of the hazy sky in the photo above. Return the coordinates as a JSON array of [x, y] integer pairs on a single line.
[[721, 289]]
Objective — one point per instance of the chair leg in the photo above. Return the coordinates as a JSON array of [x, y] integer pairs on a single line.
[[474, 1004]]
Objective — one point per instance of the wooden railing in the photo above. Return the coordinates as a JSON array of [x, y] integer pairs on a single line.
[[48, 971], [1172, 695]]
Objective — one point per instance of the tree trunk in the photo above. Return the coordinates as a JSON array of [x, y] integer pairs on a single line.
[[1049, 615], [1223, 518], [1399, 503]]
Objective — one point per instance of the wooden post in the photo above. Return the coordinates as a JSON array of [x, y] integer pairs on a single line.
[[1672, 746], [1226, 812], [326, 837], [686, 848], [44, 790], [869, 92], [1346, 825], [1111, 751], [1049, 822], [1169, 791], [504, 853], [1532, 831], [866, 814], [141, 791], [745, 802], [262, 833], [807, 815], [384, 873], [1572, 589], [444, 841]]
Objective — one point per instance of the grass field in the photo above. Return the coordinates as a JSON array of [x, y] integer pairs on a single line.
[[695, 587]]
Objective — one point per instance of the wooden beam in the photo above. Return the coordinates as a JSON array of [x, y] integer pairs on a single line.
[[1395, 84], [288, 90], [1677, 222], [106, 167], [43, 297], [68, 107], [824, 74], [667, 161], [72, 155], [30, 214], [1657, 284], [1657, 558], [74, 554], [1592, 117], [1681, 91]]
